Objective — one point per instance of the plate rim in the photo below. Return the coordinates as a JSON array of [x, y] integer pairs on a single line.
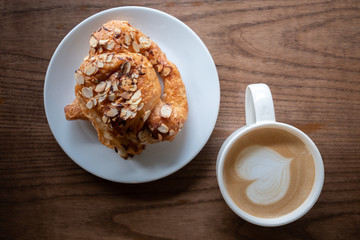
[[153, 11]]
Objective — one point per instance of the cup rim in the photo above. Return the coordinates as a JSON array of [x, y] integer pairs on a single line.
[[299, 211]]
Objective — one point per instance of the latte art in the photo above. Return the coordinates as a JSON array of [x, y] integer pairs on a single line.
[[268, 171]]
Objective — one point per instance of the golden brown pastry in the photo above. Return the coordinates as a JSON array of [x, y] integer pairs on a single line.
[[118, 90], [73, 111]]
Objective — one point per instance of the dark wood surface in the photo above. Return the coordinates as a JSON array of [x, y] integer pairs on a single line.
[[308, 52]]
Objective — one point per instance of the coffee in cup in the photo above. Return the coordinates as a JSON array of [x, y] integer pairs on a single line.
[[269, 173]]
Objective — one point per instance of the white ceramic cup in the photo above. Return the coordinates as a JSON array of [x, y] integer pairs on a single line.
[[259, 111]]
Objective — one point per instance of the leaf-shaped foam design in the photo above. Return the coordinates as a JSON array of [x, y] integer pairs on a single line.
[[269, 171]]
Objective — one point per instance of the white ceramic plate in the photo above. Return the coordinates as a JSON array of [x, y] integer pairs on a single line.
[[78, 138]]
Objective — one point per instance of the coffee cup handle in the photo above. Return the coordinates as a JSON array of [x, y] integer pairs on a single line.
[[259, 106]]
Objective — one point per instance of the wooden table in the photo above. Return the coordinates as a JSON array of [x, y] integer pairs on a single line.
[[308, 52]]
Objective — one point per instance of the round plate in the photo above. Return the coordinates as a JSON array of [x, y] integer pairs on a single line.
[[79, 139]]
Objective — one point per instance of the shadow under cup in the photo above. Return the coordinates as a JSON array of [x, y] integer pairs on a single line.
[[270, 174]]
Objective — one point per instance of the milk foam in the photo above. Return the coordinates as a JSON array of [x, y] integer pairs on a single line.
[[269, 171]]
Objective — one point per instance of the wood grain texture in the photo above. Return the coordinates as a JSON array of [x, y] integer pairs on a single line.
[[308, 52]]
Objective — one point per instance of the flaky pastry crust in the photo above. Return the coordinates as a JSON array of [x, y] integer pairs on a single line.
[[119, 92]]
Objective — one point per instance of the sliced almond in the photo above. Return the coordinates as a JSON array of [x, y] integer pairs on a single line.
[[134, 75], [100, 87], [87, 92], [165, 111], [126, 95], [103, 56], [112, 112], [114, 85], [117, 32], [159, 67], [127, 67], [94, 101], [100, 49], [133, 88], [108, 85], [146, 115], [103, 41], [144, 42], [159, 137], [109, 58], [171, 132], [166, 70], [132, 34], [125, 113], [110, 45], [133, 114], [112, 97], [153, 61], [136, 96], [90, 104], [100, 64], [133, 107], [163, 128], [136, 47], [102, 97], [93, 41], [115, 104], [86, 57], [90, 69], [140, 106], [137, 102], [126, 83], [144, 135], [105, 119], [127, 39], [79, 77]]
